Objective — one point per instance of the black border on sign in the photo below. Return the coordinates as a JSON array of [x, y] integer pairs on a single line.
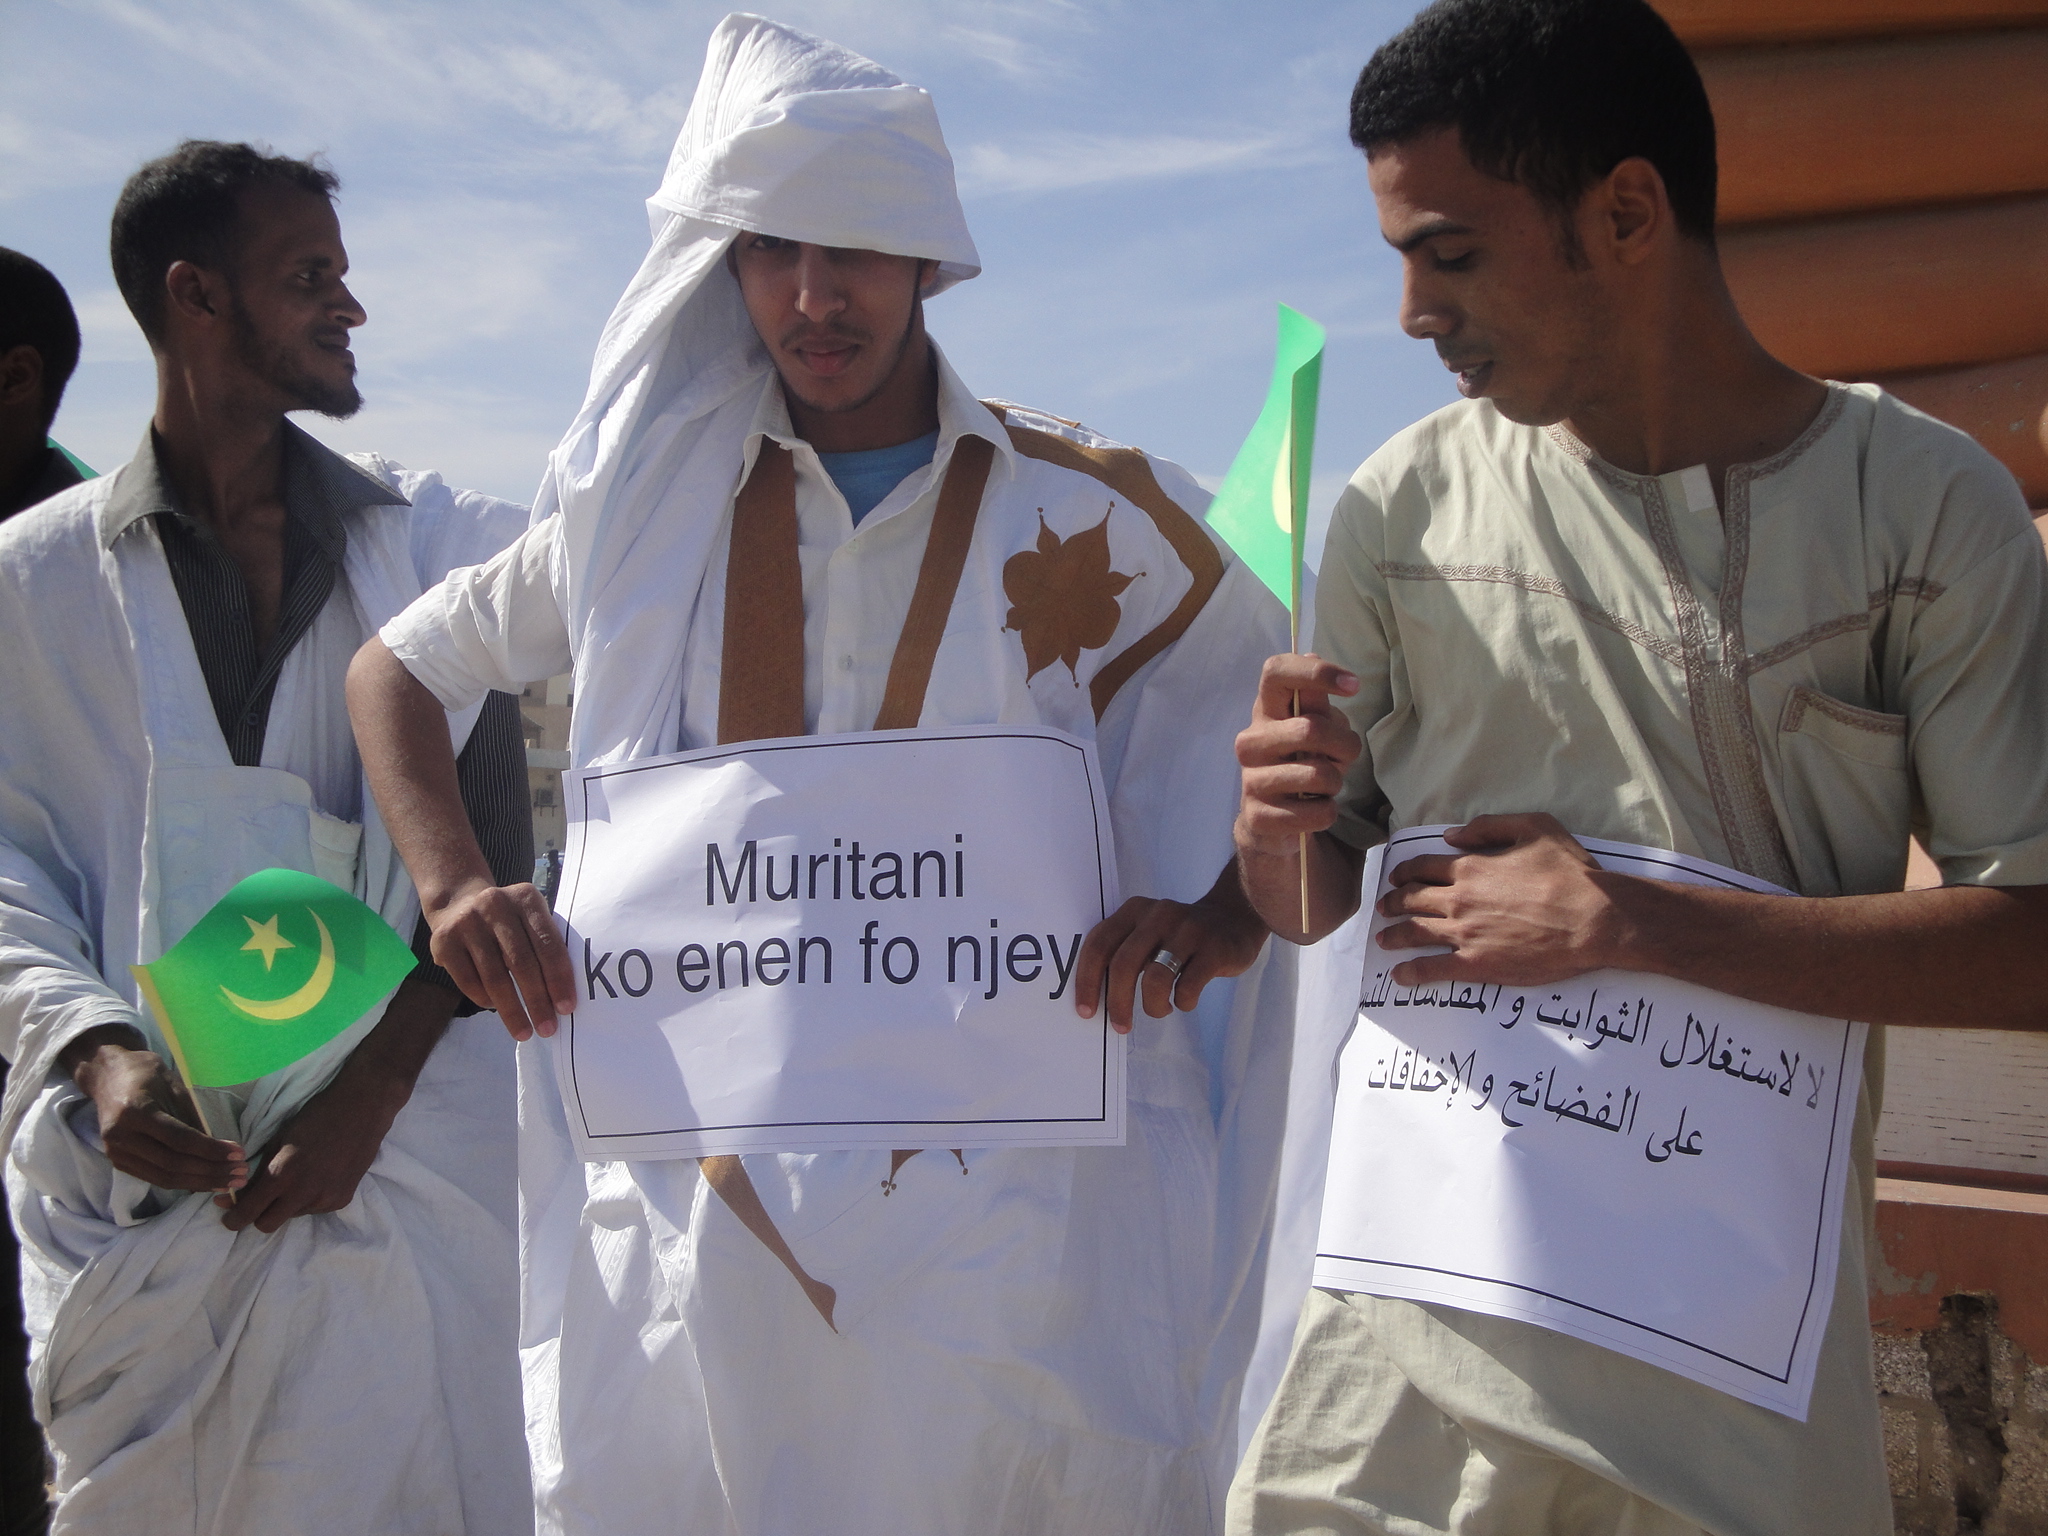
[[806, 744], [1783, 1377]]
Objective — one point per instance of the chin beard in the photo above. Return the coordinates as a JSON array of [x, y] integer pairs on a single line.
[[339, 401], [277, 368]]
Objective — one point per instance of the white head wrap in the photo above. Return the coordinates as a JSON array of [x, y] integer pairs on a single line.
[[788, 135]]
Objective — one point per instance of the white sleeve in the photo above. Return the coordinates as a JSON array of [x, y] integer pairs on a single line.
[[496, 625], [50, 992]]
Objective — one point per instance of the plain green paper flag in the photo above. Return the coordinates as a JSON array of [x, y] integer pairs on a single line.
[[1261, 509], [282, 964]]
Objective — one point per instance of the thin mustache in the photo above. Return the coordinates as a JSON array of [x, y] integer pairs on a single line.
[[813, 334]]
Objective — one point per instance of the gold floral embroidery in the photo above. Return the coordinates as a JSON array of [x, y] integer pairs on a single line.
[[1063, 596]]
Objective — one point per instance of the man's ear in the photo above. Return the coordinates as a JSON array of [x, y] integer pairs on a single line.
[[927, 275], [1634, 210], [196, 293], [21, 376]]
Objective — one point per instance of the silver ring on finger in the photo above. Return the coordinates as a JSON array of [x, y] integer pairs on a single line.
[[1164, 956]]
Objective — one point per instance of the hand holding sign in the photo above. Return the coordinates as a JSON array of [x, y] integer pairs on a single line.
[[1521, 902], [1637, 1161], [1220, 935], [499, 944]]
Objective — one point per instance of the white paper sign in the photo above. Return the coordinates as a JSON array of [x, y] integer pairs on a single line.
[[1637, 1162], [838, 942]]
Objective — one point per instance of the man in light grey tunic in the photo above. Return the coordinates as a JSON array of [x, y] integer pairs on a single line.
[[1644, 583]]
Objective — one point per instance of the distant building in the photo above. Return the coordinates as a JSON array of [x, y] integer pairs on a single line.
[[544, 714]]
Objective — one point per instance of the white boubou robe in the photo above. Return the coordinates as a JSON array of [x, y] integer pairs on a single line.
[[1024, 1340], [351, 1374]]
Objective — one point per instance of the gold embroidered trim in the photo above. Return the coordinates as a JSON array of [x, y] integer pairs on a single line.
[[1806, 640], [761, 662], [1800, 700], [938, 579], [1394, 570], [1127, 472]]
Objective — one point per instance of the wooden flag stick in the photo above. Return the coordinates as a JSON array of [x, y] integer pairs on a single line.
[[147, 985], [1295, 512], [1301, 844]]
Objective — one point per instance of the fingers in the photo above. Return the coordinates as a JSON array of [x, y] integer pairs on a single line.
[[259, 1202], [1302, 736], [1424, 869], [558, 976], [1411, 933], [1121, 955], [1135, 974], [1426, 970], [1294, 759], [1508, 830], [1102, 943], [144, 1124], [294, 1181], [502, 948], [146, 1142], [1291, 685], [286, 1187]]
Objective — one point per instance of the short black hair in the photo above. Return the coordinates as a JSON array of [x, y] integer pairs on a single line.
[[1549, 94], [35, 311], [186, 207]]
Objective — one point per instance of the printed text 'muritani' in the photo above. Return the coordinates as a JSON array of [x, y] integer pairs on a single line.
[[847, 873]]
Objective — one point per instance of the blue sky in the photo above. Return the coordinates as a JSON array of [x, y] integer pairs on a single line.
[[1143, 179]]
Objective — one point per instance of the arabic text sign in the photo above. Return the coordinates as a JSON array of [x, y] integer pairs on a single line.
[[838, 942], [1641, 1163]]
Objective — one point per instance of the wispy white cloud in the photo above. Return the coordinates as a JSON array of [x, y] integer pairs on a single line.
[[494, 154], [1063, 162], [477, 269], [108, 332]]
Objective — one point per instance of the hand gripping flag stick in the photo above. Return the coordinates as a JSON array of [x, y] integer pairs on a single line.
[[281, 965], [1261, 509]]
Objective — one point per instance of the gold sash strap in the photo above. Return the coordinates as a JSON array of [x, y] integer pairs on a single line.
[[761, 665], [938, 578], [761, 684]]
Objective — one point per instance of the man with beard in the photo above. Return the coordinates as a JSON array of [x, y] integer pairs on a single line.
[[781, 513], [325, 1344]]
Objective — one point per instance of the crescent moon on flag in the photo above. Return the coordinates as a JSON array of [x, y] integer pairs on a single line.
[[1283, 482], [278, 1009]]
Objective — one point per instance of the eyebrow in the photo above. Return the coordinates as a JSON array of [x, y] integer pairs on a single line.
[[1430, 232]]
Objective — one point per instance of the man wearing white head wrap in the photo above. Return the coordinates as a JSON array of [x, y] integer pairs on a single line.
[[860, 1342]]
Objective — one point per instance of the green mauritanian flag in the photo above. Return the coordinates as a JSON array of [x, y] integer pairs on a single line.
[[282, 964], [1261, 509]]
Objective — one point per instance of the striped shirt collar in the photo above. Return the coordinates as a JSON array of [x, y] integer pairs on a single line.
[[322, 491]]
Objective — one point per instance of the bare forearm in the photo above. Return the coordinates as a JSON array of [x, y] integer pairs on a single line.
[[1271, 880], [1960, 957], [402, 734], [388, 1061], [499, 944]]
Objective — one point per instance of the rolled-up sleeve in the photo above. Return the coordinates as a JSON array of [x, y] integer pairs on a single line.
[[497, 625], [1976, 694]]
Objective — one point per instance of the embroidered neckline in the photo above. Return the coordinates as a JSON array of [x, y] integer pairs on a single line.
[[1830, 412]]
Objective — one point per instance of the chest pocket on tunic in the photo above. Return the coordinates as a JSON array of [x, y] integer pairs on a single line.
[[215, 826], [1846, 772]]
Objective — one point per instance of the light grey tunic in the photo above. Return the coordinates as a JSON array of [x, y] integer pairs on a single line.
[[1849, 649]]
